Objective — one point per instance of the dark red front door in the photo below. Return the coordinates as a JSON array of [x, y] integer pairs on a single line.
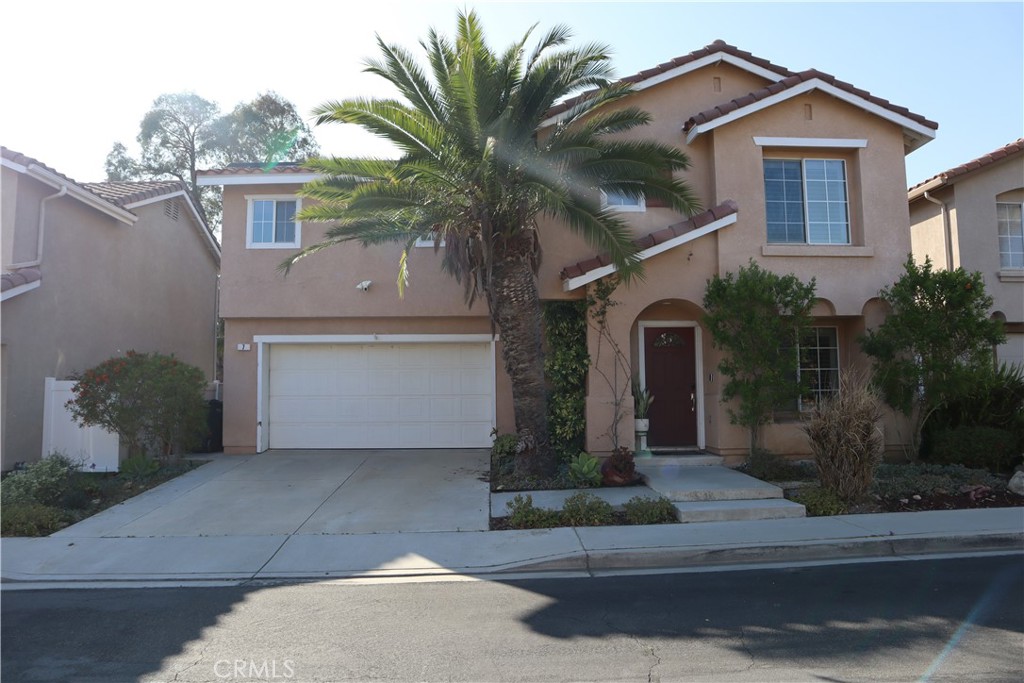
[[670, 371]]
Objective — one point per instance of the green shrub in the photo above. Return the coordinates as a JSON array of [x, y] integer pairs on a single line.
[[29, 519], [565, 365], [640, 510], [845, 439], [44, 482], [990, 448], [904, 480], [585, 471], [586, 509], [503, 454], [619, 468], [769, 466], [138, 468], [819, 501], [523, 515], [147, 399], [991, 398]]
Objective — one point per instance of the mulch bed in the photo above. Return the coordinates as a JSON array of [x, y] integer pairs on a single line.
[[980, 498], [618, 519]]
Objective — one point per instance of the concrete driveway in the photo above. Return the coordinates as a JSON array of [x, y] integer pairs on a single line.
[[308, 492]]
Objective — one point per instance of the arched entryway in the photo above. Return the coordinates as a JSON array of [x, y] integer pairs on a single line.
[[668, 345]]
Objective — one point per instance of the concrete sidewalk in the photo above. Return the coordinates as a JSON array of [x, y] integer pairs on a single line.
[[83, 560]]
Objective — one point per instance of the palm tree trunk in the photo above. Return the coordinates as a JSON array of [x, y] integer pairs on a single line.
[[516, 313]]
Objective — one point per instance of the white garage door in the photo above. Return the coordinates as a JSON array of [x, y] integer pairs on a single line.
[[426, 395]]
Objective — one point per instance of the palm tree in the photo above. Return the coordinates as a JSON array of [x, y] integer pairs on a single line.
[[476, 171]]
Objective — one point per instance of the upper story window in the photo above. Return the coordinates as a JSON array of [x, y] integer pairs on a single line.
[[620, 202], [271, 223], [806, 201], [1011, 235]]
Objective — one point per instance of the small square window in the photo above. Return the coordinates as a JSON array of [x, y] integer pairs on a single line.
[[272, 223]]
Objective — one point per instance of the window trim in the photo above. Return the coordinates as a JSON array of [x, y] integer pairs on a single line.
[[1008, 270], [639, 207], [803, 189], [249, 201]]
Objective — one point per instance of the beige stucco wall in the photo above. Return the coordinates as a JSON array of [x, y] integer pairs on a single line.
[[319, 297], [107, 287], [971, 204], [324, 285], [928, 230]]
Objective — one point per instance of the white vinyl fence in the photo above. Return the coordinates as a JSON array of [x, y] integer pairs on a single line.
[[95, 447]]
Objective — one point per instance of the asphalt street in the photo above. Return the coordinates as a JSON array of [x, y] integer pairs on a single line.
[[928, 620]]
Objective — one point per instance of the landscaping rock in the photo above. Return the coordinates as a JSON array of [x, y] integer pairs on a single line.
[[1017, 483]]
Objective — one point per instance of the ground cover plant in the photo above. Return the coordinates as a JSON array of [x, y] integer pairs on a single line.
[[54, 492], [584, 509], [913, 487]]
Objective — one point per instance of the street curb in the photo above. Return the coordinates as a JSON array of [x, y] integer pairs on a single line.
[[803, 551], [584, 562]]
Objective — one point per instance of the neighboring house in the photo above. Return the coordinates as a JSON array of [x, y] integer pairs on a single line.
[[90, 271], [799, 171], [970, 216]]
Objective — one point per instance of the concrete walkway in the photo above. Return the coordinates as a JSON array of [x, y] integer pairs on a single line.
[[307, 515]]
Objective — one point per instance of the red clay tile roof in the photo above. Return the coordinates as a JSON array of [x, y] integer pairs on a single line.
[[791, 81], [19, 278], [25, 160], [1014, 147], [123, 193], [713, 48], [726, 208], [256, 169]]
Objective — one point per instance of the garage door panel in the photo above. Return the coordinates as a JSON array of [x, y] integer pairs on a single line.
[[381, 395], [474, 382]]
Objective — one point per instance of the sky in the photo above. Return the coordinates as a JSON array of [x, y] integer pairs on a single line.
[[79, 76]]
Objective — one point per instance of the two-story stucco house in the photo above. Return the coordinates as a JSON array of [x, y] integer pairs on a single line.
[[799, 171], [92, 270], [970, 217]]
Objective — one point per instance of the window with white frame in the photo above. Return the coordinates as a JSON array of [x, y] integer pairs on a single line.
[[818, 367], [271, 223], [806, 201], [430, 241], [1011, 235], [621, 202]]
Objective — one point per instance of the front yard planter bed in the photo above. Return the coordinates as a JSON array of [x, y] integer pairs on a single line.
[[87, 494]]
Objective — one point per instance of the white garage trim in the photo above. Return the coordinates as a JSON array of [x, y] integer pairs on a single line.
[[263, 364]]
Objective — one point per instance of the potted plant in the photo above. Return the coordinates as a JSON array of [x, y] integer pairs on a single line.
[[619, 469], [642, 400]]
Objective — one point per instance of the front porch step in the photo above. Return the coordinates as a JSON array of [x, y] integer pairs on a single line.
[[738, 510], [689, 460], [713, 482]]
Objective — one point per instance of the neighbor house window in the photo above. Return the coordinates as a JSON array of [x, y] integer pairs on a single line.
[[272, 224], [806, 201], [1011, 236], [818, 367], [620, 202]]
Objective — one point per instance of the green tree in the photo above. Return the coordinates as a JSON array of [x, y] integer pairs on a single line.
[[148, 399], [757, 318], [266, 130], [476, 171], [935, 341], [183, 132]]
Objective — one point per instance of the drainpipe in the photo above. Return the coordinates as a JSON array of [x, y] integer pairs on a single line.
[[947, 235], [39, 233]]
